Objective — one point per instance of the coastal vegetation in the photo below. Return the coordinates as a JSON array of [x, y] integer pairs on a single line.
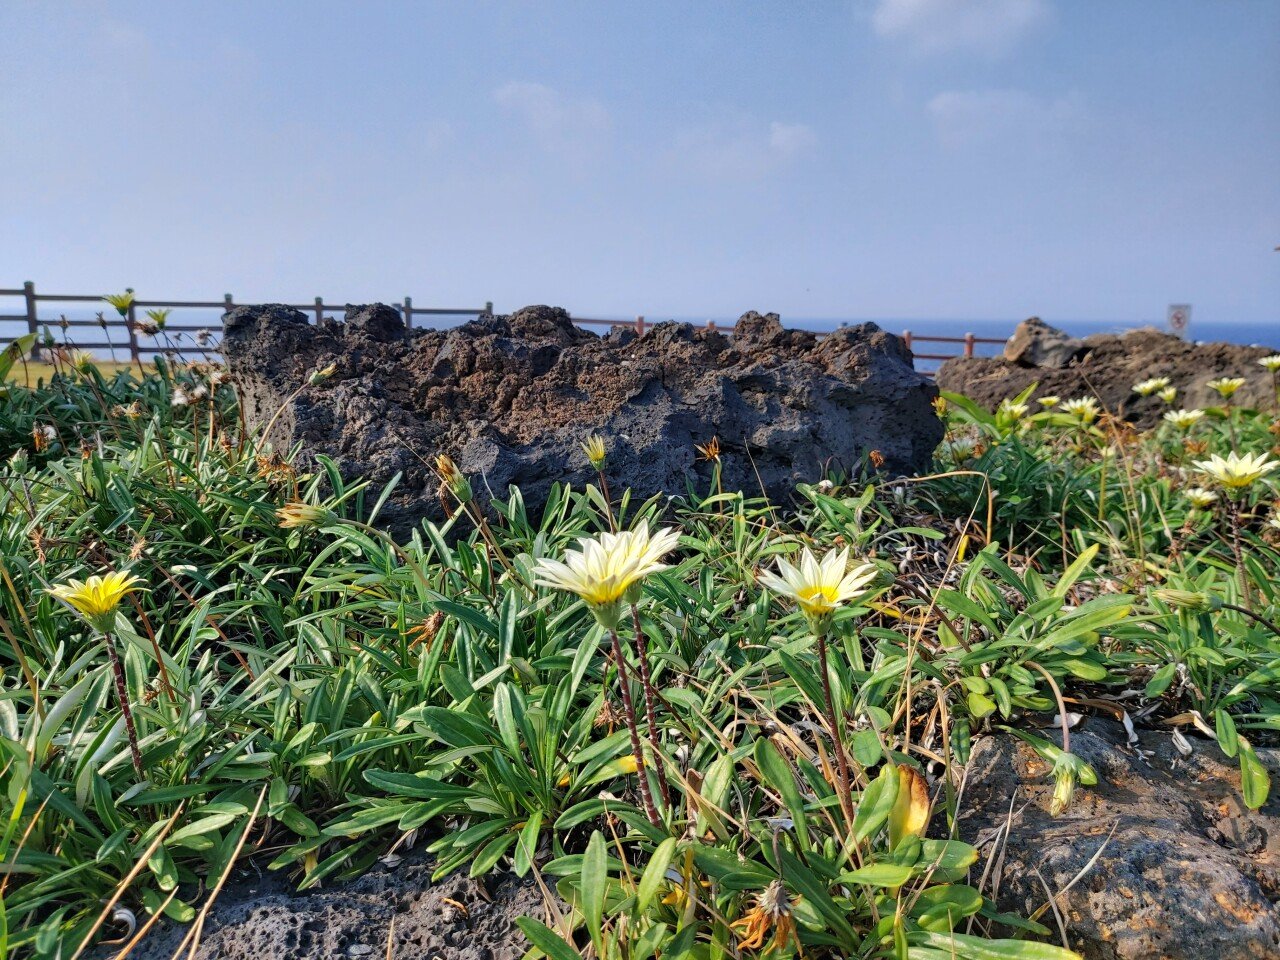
[[708, 725]]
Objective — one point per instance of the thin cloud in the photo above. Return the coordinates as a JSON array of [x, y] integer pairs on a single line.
[[988, 27], [963, 118], [561, 123], [740, 149]]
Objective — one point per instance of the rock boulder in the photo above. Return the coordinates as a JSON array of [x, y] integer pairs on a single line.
[[511, 398], [1106, 366], [1184, 872]]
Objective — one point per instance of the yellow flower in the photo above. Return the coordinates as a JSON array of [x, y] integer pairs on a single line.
[[1009, 413], [121, 301], [1184, 419], [818, 587], [1271, 363], [1084, 409], [1168, 394], [298, 515], [607, 570], [1226, 386], [159, 318], [1236, 472], [81, 361], [96, 599], [595, 452], [1147, 387], [1050, 401]]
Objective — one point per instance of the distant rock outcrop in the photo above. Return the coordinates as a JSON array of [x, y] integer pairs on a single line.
[[511, 398], [1107, 366]]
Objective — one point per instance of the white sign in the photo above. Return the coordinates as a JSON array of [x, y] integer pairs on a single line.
[[1179, 317]]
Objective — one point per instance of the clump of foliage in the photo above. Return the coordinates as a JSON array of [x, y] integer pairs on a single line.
[[698, 759]]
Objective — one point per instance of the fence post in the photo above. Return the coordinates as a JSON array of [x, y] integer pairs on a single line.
[[33, 325], [131, 321], [408, 312], [906, 338], [640, 325], [488, 308], [319, 309], [711, 325], [968, 344], [228, 302]]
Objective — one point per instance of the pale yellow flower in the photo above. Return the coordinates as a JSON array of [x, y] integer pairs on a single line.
[[121, 301], [321, 374], [607, 570], [1226, 386], [1200, 498], [298, 515], [1168, 394], [819, 587], [1184, 419], [1010, 411], [96, 599], [1084, 409], [1236, 472], [1147, 387], [594, 449], [1051, 401], [1271, 363]]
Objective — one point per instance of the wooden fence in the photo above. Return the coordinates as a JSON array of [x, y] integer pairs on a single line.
[[34, 321]]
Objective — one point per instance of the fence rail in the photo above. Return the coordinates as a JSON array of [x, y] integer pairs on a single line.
[[318, 309]]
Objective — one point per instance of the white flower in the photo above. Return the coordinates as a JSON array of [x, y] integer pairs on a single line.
[[1084, 409], [1271, 363], [1168, 394], [1226, 386], [1147, 387], [1184, 419], [818, 587], [1050, 401], [1200, 498], [607, 570], [1236, 472]]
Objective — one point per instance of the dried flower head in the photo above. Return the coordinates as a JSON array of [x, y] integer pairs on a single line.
[[320, 375], [710, 450], [772, 913]]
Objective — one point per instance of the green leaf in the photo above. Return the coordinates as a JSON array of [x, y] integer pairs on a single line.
[[655, 873], [591, 888], [546, 940], [1255, 782], [879, 875]]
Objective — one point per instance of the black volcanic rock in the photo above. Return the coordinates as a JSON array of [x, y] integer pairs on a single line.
[[511, 398]]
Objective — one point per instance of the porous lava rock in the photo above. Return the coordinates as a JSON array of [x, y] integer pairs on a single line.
[[395, 911], [1183, 870], [511, 398], [1106, 366]]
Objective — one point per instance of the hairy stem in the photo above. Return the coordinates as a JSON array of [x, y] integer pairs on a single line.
[[629, 709], [650, 704], [122, 694]]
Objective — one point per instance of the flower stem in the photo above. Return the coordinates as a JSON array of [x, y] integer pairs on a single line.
[[1233, 512], [122, 694], [629, 708], [842, 762], [650, 704]]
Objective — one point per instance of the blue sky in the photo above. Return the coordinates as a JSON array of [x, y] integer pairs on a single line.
[[885, 158]]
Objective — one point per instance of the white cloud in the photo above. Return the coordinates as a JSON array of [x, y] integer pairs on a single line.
[[990, 27], [561, 123], [1013, 117], [740, 148]]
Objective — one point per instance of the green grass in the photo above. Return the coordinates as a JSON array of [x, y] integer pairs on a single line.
[[308, 696]]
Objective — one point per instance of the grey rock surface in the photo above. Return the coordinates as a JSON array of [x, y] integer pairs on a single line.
[[1036, 344], [511, 398], [1186, 873]]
